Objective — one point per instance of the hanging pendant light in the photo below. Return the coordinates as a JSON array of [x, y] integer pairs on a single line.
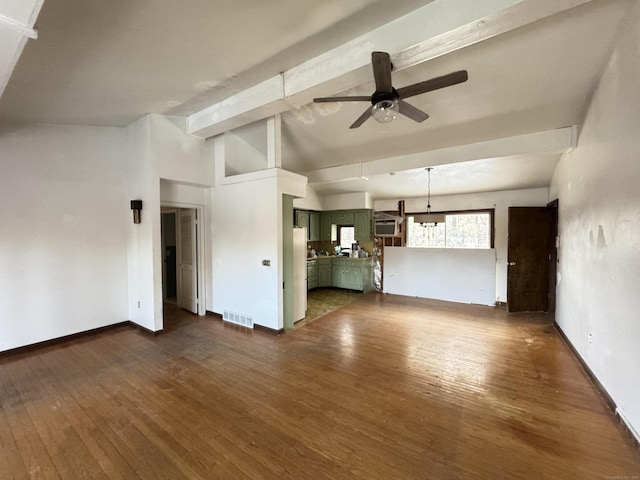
[[429, 219]]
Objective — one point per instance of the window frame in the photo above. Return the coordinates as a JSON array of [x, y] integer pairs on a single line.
[[492, 222], [339, 235]]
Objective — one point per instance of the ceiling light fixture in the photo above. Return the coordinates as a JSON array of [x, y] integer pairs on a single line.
[[429, 219], [385, 110]]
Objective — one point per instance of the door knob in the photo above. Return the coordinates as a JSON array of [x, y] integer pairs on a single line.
[[511, 264]]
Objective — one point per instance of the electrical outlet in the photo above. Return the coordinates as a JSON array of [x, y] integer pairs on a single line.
[[590, 337], [138, 304]]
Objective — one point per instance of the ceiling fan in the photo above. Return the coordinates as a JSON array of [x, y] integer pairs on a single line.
[[386, 101]]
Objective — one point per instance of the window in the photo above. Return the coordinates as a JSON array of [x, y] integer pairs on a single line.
[[459, 230], [347, 236]]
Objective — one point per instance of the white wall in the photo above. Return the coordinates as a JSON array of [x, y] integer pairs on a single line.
[[311, 201], [500, 201], [246, 229], [241, 157], [456, 275], [65, 213], [142, 184], [173, 192], [599, 227], [346, 201], [179, 157], [157, 148]]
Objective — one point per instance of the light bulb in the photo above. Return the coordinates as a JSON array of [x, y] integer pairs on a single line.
[[385, 111]]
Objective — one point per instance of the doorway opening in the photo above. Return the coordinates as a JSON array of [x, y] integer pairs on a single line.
[[169, 256], [183, 258]]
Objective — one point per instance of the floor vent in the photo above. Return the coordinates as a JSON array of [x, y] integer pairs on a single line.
[[238, 318]]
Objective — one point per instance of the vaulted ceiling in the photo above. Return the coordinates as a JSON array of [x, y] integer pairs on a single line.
[[533, 65]]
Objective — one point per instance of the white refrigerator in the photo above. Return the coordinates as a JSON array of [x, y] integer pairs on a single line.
[[299, 273]]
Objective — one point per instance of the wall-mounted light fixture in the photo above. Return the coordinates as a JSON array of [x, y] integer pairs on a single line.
[[136, 206]]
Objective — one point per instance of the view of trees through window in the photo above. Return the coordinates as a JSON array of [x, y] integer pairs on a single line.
[[459, 230], [347, 236]]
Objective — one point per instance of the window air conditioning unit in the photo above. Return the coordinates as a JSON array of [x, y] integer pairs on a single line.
[[386, 228]]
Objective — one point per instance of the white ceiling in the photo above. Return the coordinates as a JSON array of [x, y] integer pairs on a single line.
[[109, 63]]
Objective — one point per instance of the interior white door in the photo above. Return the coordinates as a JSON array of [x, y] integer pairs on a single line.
[[188, 259], [299, 273]]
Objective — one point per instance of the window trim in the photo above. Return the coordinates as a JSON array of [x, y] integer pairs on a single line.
[[490, 211]]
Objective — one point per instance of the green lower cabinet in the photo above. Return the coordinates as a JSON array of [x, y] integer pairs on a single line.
[[312, 274], [324, 272], [345, 273], [354, 278], [337, 277], [351, 274]]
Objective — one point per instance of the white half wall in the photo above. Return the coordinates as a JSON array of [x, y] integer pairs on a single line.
[[64, 211], [500, 201], [599, 227], [456, 275]]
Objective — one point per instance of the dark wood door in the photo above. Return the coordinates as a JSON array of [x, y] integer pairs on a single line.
[[528, 259]]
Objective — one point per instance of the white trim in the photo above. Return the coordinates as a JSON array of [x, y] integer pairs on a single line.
[[628, 424]]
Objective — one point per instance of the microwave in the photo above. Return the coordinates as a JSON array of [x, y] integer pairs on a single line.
[[386, 228]]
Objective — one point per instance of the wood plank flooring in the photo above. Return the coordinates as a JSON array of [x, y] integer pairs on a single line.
[[385, 387]]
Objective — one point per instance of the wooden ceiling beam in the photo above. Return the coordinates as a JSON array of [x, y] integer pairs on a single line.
[[559, 140], [439, 28], [16, 26]]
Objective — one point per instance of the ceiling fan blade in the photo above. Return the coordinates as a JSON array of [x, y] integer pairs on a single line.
[[342, 99], [433, 84], [362, 118], [381, 62], [412, 112]]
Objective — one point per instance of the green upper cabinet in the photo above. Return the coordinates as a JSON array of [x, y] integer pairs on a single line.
[[325, 227], [314, 226], [302, 220], [342, 217], [363, 221], [310, 221], [320, 225]]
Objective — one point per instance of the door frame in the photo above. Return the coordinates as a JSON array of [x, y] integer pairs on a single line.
[[200, 250], [554, 207]]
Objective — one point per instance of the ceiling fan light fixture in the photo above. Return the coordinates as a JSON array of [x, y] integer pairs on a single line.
[[385, 111]]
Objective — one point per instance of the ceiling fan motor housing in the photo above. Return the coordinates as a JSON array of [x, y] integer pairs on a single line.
[[381, 96]]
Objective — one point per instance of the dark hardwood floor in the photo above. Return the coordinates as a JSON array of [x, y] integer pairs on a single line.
[[385, 387]]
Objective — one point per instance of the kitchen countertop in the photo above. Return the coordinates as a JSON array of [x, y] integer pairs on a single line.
[[337, 256]]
